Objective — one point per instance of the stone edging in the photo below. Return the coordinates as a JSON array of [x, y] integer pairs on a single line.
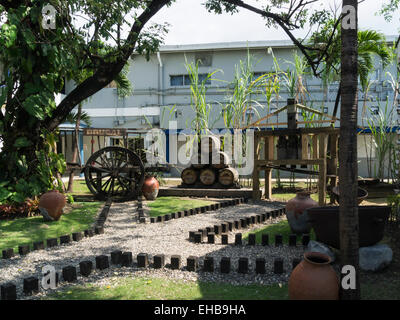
[[53, 242], [31, 285], [190, 212]]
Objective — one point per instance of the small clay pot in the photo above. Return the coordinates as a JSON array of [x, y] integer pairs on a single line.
[[314, 279], [150, 188], [51, 205], [295, 212]]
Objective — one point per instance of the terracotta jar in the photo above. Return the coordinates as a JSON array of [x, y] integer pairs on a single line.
[[51, 205], [150, 188], [295, 212], [314, 279]]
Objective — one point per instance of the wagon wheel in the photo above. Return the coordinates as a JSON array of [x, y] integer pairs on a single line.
[[114, 172]]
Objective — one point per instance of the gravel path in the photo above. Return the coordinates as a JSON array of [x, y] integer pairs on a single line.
[[122, 232]]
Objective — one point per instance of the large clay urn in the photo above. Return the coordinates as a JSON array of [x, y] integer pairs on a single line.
[[314, 279], [51, 205], [150, 188], [295, 212]]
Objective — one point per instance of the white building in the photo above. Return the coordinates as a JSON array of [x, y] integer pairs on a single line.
[[161, 84]]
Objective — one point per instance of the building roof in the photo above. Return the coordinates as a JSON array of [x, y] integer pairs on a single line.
[[238, 45]]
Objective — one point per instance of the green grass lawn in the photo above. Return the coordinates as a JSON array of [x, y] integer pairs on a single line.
[[28, 230], [281, 227], [165, 205], [161, 289]]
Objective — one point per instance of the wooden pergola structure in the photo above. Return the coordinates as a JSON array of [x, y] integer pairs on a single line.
[[314, 151]]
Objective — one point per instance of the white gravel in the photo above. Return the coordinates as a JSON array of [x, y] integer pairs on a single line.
[[122, 232]]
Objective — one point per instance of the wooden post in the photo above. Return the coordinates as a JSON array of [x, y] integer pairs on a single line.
[[304, 147], [269, 155], [256, 172], [322, 170], [315, 146]]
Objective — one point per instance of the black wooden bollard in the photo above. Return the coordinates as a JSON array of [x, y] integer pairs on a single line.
[[160, 218], [98, 230], [237, 224], [202, 209], [249, 221], [260, 265], [224, 227], [292, 240], [167, 217], [191, 235], [263, 217], [159, 261], [186, 213], [38, 245], [192, 263], [77, 236], [278, 266], [278, 240], [267, 215], [238, 239], [243, 223], [179, 214], [24, 249], [116, 257], [8, 253], [142, 260], [102, 262], [305, 239], [152, 220], [140, 213], [208, 264], [218, 229], [265, 239], [273, 214], [31, 285], [252, 239], [175, 262], [230, 225], [8, 291], [89, 233], [174, 215], [142, 220], [211, 237], [253, 219], [126, 259], [212, 207], [191, 212], [218, 206], [225, 265], [85, 268], [243, 266], [210, 229], [69, 273], [295, 262], [224, 238], [52, 242], [198, 237]]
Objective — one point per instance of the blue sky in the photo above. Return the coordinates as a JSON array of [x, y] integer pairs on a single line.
[[191, 23]]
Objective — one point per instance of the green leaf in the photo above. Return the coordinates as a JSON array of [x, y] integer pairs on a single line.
[[22, 142], [31, 105]]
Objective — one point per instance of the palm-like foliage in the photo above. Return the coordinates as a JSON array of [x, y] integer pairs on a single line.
[[371, 44]]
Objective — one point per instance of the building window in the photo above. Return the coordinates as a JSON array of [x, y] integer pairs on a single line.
[[184, 79]]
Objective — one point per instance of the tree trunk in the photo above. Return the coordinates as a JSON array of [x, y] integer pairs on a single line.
[[76, 149], [348, 175]]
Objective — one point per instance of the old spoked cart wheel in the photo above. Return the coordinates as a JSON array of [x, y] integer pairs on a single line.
[[114, 172]]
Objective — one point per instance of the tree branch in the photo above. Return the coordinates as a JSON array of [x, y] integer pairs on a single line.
[[106, 72]]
